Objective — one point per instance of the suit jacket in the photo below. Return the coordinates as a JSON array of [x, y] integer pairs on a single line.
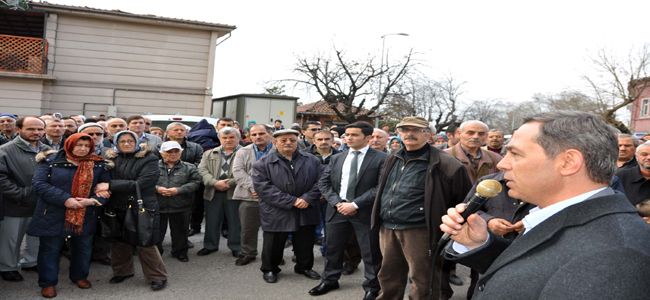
[[366, 185], [596, 249]]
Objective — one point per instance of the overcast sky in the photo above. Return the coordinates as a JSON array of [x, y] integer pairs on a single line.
[[503, 50]]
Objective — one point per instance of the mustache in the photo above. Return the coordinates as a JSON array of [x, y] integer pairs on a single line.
[[410, 137]]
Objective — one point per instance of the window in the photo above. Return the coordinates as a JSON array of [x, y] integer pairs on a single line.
[[643, 112]]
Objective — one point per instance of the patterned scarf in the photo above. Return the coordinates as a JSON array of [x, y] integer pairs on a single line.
[[81, 182]]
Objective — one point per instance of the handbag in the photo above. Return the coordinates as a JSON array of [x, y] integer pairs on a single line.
[[110, 225], [140, 223]]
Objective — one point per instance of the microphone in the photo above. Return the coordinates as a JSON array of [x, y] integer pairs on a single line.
[[485, 190]]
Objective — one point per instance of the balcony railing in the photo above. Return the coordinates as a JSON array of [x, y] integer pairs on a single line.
[[23, 54]]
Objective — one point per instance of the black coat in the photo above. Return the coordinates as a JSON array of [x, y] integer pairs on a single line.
[[596, 249], [279, 185], [185, 178], [141, 167], [366, 185]]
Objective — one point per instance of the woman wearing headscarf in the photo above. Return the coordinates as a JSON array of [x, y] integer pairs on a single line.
[[65, 182], [394, 144], [134, 164]]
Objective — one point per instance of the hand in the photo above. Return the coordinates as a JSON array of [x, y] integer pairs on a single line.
[[471, 234], [73, 203], [161, 190], [103, 194], [346, 209], [172, 191], [222, 185], [519, 226], [102, 186], [254, 194], [301, 203], [500, 226]]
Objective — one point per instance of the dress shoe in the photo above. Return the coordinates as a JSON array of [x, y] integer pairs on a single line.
[[348, 269], [270, 277], [244, 260], [11, 276], [206, 251], [48, 292], [311, 274], [182, 257], [103, 260], [84, 284], [118, 279], [455, 280], [370, 295], [236, 253], [158, 285], [193, 231], [30, 269], [323, 288]]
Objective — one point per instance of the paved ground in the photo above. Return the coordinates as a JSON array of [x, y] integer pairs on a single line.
[[208, 277]]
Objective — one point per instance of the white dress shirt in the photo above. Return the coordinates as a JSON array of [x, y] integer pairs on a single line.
[[345, 172]]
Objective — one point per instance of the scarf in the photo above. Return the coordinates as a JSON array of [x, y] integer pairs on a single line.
[[82, 181]]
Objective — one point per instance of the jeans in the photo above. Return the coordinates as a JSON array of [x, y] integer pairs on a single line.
[[48, 258]]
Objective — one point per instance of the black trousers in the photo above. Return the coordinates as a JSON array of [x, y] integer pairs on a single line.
[[101, 246], [197, 209], [178, 224], [338, 237], [303, 247]]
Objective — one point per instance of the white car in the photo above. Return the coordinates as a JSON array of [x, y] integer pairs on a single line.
[[163, 120]]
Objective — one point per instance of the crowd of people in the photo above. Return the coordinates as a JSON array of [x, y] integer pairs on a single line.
[[102, 189]]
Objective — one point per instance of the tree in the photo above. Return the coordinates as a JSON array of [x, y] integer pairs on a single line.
[[617, 84], [569, 100], [275, 89], [343, 81]]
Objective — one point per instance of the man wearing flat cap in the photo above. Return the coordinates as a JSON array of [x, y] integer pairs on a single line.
[[416, 187], [285, 181]]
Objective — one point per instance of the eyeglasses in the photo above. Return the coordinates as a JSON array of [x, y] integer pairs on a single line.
[[95, 133], [410, 129], [314, 129]]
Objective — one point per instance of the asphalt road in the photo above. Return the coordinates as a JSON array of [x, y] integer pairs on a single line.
[[214, 276]]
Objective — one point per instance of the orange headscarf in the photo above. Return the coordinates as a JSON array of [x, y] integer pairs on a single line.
[[82, 181]]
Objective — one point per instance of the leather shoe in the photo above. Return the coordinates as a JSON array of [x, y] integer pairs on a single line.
[[455, 280], [84, 284], [270, 277], [236, 253], [182, 258], [323, 288], [244, 260], [48, 292], [158, 285], [11, 276], [118, 279], [205, 251], [311, 274], [370, 295], [348, 269], [193, 232]]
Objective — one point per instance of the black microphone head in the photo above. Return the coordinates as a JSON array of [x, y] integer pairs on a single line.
[[488, 188]]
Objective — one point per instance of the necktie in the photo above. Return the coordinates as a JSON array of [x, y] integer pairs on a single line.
[[352, 179]]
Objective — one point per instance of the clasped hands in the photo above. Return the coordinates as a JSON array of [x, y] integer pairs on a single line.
[[167, 192], [78, 202], [346, 208], [222, 185]]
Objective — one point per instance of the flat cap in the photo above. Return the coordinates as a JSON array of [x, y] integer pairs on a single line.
[[413, 121], [286, 131]]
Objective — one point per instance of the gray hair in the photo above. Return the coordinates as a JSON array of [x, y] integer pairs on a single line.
[[230, 130], [585, 132], [470, 122], [643, 145], [174, 124], [635, 141], [384, 133]]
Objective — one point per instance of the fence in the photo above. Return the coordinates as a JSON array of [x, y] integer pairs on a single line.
[[23, 54]]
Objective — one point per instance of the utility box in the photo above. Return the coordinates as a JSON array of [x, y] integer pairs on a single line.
[[251, 109]]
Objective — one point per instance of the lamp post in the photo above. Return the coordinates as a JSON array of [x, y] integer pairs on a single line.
[[381, 65]]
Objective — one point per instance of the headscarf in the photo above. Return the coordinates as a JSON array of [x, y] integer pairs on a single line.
[[82, 181], [116, 138]]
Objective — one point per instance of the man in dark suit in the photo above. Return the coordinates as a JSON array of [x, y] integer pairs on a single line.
[[349, 185], [583, 241]]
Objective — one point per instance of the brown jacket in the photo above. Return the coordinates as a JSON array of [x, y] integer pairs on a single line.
[[486, 165]]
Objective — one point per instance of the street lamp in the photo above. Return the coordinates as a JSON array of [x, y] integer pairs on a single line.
[[381, 65]]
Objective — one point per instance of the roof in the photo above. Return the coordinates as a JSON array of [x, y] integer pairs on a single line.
[[265, 96], [322, 108], [84, 10]]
